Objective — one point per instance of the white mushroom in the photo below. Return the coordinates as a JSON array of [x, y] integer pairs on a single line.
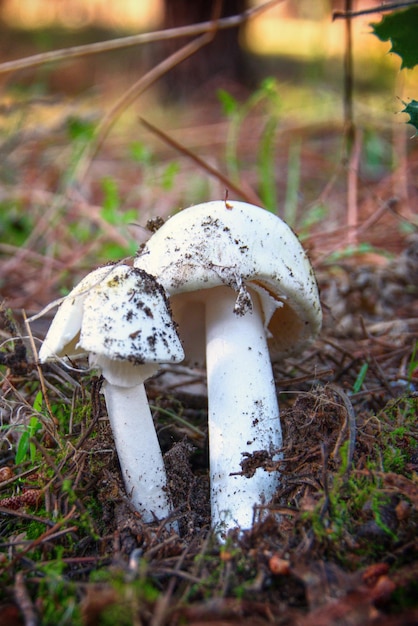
[[121, 318], [240, 285]]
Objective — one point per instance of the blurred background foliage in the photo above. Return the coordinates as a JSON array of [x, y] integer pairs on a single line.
[[262, 104]]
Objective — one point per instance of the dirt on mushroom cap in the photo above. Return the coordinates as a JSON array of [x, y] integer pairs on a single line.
[[239, 245], [127, 317]]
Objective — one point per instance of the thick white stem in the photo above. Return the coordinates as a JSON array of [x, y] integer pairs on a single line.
[[138, 450], [243, 408]]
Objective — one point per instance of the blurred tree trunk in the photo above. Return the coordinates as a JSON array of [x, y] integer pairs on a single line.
[[222, 58]]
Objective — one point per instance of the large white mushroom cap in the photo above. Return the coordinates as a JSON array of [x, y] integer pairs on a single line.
[[239, 245]]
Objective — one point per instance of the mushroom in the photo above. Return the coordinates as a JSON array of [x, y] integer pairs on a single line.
[[243, 293], [120, 317]]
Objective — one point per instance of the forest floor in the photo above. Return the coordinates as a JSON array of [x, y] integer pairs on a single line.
[[339, 545]]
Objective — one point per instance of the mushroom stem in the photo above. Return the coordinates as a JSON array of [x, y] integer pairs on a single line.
[[138, 450], [243, 408]]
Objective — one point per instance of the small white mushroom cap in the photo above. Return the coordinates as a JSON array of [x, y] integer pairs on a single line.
[[64, 330], [121, 317], [239, 245]]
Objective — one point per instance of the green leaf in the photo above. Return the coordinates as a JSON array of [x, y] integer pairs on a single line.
[[140, 153], [22, 448], [269, 89], [34, 425], [401, 28], [80, 129], [228, 102], [412, 110], [111, 200], [37, 403], [169, 175], [358, 383], [266, 165]]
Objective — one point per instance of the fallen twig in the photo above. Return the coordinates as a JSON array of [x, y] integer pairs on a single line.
[[248, 195], [381, 9], [24, 601], [134, 40]]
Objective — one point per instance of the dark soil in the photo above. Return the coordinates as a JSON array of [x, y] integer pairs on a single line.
[[339, 545]]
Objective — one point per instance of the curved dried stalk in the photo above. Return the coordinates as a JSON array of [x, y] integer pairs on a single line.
[[246, 194], [133, 40], [131, 95]]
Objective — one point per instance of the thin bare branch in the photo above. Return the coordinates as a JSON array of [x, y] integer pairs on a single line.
[[352, 188], [247, 195], [348, 81], [134, 40], [131, 95], [24, 601], [38, 367], [382, 9], [48, 533]]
